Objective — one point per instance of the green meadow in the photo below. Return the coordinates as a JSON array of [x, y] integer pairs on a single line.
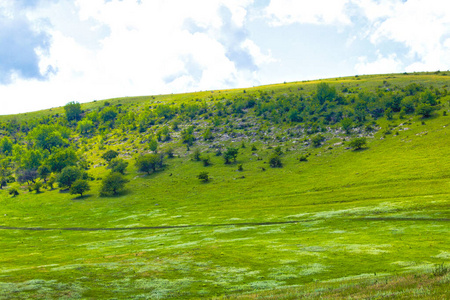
[[370, 223]]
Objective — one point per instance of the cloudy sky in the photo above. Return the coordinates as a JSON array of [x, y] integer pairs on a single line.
[[56, 51]]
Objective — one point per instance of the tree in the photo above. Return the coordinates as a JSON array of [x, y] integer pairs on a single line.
[[275, 161], [113, 184], [43, 172], [49, 136], [85, 126], [347, 124], [13, 191], [424, 110], [61, 159], [68, 176], [325, 92], [6, 146], [203, 176], [80, 186], [149, 162], [118, 165], [317, 140], [37, 187], [153, 145], [109, 155], [230, 154], [27, 175], [108, 114], [73, 111], [358, 143]]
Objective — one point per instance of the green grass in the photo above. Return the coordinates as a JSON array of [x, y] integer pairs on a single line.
[[369, 223]]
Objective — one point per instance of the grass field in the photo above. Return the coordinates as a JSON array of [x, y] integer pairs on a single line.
[[372, 223]]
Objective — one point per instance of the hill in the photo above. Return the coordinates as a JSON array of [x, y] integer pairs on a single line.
[[326, 188]]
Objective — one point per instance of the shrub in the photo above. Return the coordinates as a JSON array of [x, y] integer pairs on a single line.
[[79, 187], [37, 187], [358, 143], [275, 161], [113, 184], [68, 176], [317, 140], [13, 191], [203, 176], [118, 165], [149, 162], [109, 155]]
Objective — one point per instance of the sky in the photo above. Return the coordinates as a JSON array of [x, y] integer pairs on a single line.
[[56, 51]]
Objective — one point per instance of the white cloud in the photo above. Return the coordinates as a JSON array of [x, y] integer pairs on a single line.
[[421, 26], [390, 64], [319, 12], [138, 48]]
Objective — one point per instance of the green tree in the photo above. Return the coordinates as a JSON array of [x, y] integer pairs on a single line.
[[44, 172], [203, 176], [118, 165], [108, 114], [153, 145], [113, 184], [317, 140], [425, 110], [6, 146], [275, 161], [73, 111], [68, 176], [37, 187], [109, 155], [230, 154], [49, 136], [325, 92], [358, 143], [347, 124], [13, 191], [149, 162], [80, 186], [61, 159], [85, 126]]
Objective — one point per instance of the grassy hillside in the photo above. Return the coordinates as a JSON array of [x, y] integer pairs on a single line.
[[332, 222]]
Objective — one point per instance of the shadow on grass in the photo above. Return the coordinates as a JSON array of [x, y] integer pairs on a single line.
[[79, 198]]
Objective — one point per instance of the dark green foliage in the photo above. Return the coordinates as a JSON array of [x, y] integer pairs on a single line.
[[317, 140], [347, 124], [425, 110], [303, 158], [73, 111], [153, 145], [109, 155], [187, 136], [325, 92], [26, 175], [275, 161], [149, 162], [196, 155], [6, 146], [358, 143], [169, 152], [206, 161], [108, 114], [80, 186], [113, 184], [49, 136], [118, 165], [43, 172], [68, 176], [61, 159], [37, 187], [240, 168], [254, 148], [13, 191], [203, 176], [230, 154], [85, 126], [208, 135]]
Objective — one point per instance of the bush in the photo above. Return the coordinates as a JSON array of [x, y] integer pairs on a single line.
[[118, 165], [149, 162], [230, 154], [113, 184], [358, 143], [79, 187], [275, 161], [13, 191], [37, 187], [68, 176], [109, 155], [203, 176], [317, 140]]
